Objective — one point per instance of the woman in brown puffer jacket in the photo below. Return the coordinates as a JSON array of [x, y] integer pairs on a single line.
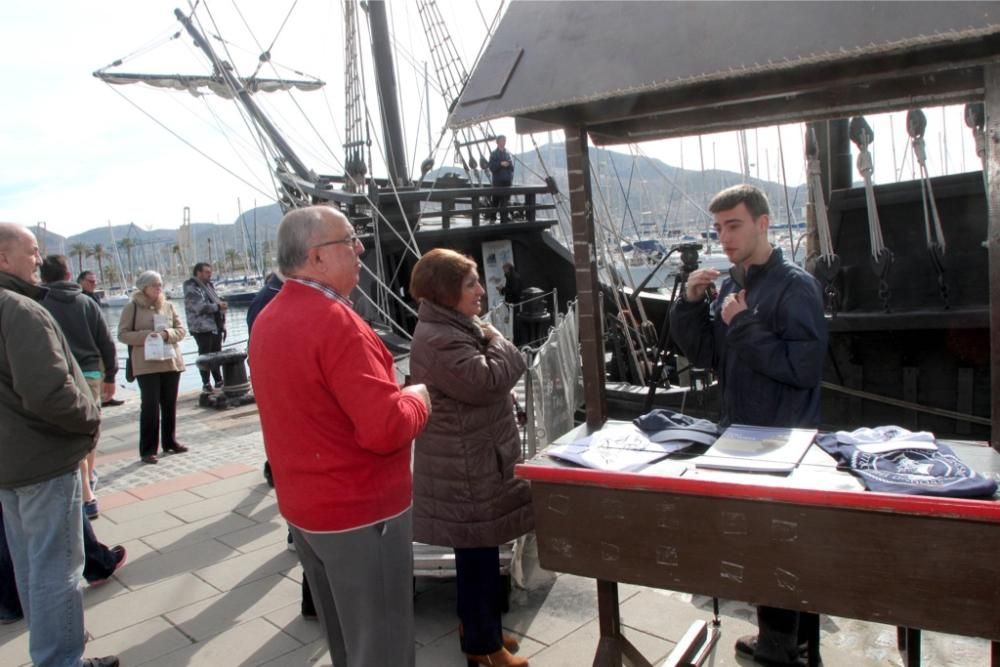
[[465, 494]]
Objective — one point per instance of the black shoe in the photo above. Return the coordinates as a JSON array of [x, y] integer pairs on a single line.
[[111, 402], [106, 661], [175, 448], [746, 647], [150, 459]]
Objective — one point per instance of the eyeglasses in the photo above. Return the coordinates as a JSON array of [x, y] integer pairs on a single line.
[[350, 240]]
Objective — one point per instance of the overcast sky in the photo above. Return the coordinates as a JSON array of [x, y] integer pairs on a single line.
[[78, 152]]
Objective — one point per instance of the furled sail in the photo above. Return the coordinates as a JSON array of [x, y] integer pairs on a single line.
[[198, 85]]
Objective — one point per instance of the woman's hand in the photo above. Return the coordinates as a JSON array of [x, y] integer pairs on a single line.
[[489, 331], [164, 334]]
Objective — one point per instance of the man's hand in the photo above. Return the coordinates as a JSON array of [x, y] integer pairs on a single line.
[[107, 391], [698, 282], [734, 305], [223, 306], [420, 391]]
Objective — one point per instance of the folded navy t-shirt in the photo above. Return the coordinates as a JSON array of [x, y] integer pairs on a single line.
[[923, 472]]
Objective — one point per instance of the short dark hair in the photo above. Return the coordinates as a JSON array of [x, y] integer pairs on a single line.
[[438, 276], [83, 275], [54, 268], [750, 196], [198, 267]]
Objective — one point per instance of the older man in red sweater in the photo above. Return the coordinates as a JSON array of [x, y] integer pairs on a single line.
[[338, 433]]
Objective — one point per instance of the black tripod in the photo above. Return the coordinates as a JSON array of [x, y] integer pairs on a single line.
[[689, 263]]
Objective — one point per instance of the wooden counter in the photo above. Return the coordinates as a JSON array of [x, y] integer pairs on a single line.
[[909, 561]]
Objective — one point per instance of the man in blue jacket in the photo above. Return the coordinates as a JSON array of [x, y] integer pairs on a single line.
[[502, 171], [765, 336]]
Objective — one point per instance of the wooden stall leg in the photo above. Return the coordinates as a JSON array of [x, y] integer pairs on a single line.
[[908, 642], [609, 653]]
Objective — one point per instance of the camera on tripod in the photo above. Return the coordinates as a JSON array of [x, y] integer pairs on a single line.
[[689, 256]]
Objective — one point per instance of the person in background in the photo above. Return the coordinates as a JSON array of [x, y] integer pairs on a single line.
[[766, 337], [93, 348], [502, 170], [48, 420], [338, 432], [149, 314], [465, 495], [206, 318], [88, 285], [272, 285]]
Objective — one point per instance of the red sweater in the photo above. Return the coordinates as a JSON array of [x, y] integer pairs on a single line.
[[337, 429]]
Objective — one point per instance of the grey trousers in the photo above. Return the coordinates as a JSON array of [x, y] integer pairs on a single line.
[[362, 584]]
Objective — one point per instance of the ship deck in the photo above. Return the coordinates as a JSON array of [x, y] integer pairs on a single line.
[[209, 580]]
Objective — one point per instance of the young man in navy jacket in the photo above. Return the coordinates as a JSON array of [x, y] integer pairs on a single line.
[[765, 336]]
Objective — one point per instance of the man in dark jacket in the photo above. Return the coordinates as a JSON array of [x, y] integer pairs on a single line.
[[502, 170], [206, 317], [765, 336], [272, 285], [88, 283], [87, 333], [48, 420]]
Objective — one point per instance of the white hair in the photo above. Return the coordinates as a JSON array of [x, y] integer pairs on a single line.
[[147, 278]]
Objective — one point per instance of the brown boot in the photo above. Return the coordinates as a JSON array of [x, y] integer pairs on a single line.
[[509, 641], [501, 658]]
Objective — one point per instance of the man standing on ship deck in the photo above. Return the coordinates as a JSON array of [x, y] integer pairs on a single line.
[[766, 337], [502, 169]]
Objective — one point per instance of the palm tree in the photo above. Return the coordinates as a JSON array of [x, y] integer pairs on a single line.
[[232, 256], [99, 254], [127, 244], [110, 270], [79, 249]]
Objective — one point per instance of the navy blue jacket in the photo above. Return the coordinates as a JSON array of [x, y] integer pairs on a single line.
[[501, 175], [769, 359], [271, 287]]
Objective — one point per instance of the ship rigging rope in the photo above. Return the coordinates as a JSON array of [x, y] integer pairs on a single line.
[[192, 146], [916, 124], [863, 136], [816, 186], [252, 127], [908, 405], [624, 307]]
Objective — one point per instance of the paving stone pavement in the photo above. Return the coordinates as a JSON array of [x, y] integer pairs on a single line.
[[209, 580]]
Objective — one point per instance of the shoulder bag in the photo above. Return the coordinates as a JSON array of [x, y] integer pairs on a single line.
[[129, 371]]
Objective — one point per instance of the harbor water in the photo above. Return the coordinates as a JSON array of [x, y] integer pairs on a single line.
[[236, 338]]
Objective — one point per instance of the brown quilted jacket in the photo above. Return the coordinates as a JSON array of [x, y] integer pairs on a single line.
[[464, 490]]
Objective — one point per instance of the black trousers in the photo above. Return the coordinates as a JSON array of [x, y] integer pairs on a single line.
[[480, 599], [98, 561], [499, 203], [783, 632], [209, 342], [157, 410], [10, 603]]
